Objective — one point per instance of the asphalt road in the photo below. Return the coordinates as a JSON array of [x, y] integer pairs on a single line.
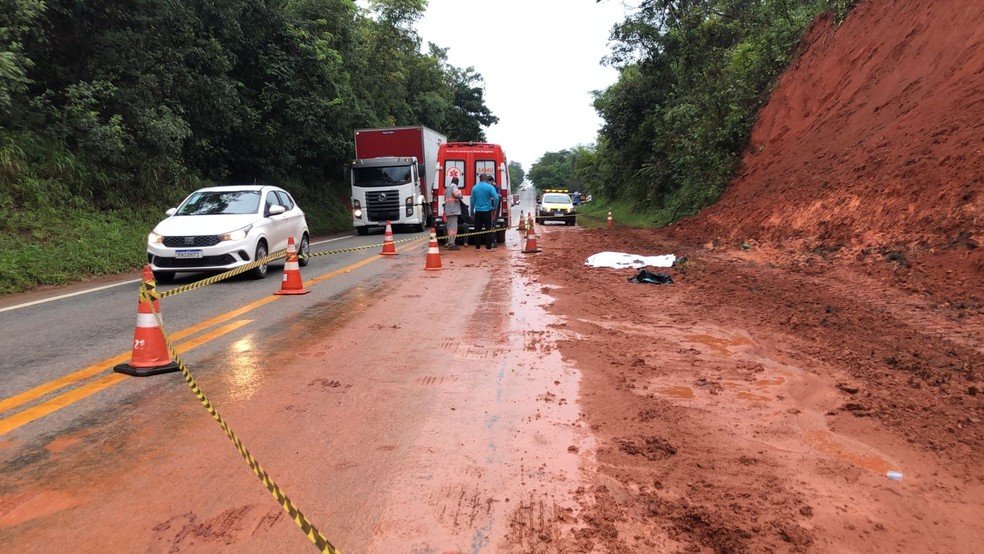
[[365, 400], [54, 334]]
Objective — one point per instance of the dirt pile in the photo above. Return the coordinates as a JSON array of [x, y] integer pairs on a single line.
[[753, 406], [872, 141]]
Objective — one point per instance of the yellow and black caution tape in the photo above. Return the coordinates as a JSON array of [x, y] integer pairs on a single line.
[[148, 293], [282, 253], [275, 256], [222, 276]]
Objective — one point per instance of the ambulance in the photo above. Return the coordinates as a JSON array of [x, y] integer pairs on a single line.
[[466, 161]]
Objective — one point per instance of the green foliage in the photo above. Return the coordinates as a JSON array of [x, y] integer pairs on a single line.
[[148, 93], [127, 106], [16, 19], [594, 214], [48, 246], [553, 170], [516, 174], [468, 114], [693, 75]]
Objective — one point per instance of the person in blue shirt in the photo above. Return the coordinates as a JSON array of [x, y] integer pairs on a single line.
[[484, 201]]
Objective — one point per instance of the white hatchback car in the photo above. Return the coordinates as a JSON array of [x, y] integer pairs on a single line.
[[221, 228]]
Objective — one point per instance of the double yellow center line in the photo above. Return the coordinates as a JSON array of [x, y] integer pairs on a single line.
[[36, 412]]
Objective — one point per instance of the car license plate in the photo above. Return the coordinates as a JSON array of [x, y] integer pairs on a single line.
[[185, 254]]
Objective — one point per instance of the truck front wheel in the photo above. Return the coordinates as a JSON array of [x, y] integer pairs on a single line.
[[363, 231]]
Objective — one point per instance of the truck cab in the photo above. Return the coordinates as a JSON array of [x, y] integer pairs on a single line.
[[466, 161], [391, 177], [379, 181]]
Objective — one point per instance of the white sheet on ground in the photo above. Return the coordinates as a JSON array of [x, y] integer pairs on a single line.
[[619, 260]]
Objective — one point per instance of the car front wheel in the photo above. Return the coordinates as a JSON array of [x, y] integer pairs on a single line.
[[304, 250], [261, 270]]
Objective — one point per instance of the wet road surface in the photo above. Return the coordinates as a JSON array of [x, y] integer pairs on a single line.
[[420, 412]]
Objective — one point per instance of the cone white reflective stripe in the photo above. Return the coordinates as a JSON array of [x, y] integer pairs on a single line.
[[146, 320]]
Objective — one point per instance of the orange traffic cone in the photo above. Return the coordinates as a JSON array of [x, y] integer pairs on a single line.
[[149, 355], [609, 219], [531, 247], [389, 247], [522, 221], [433, 254], [292, 283]]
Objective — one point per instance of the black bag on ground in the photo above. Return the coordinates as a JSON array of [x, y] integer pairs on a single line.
[[646, 276]]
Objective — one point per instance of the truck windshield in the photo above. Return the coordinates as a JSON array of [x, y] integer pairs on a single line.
[[381, 176]]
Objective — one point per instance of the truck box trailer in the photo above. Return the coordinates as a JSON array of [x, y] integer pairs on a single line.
[[392, 177]]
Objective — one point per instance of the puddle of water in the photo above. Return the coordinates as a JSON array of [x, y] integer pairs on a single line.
[[684, 393], [246, 375], [824, 441]]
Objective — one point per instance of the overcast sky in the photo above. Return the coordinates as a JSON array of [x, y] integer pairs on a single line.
[[540, 60]]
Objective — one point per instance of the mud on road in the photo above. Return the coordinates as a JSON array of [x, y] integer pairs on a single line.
[[525, 403], [758, 402]]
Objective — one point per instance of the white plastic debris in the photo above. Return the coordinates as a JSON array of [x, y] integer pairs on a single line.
[[621, 260], [894, 475]]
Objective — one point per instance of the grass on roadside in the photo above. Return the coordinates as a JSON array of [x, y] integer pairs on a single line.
[[55, 246], [594, 214]]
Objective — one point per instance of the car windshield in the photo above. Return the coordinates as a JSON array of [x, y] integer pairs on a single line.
[[556, 199], [221, 202]]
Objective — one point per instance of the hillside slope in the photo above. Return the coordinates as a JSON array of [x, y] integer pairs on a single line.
[[872, 139]]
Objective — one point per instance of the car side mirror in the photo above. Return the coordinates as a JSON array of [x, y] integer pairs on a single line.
[[171, 211], [276, 209]]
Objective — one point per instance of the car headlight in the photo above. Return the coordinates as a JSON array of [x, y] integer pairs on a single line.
[[238, 234], [154, 238]]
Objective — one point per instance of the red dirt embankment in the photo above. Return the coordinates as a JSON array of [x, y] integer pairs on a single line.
[[872, 140]]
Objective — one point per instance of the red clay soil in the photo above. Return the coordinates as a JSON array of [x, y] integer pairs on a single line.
[[825, 326]]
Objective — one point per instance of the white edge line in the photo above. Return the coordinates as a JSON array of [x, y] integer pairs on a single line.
[[333, 240], [87, 291], [63, 296]]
